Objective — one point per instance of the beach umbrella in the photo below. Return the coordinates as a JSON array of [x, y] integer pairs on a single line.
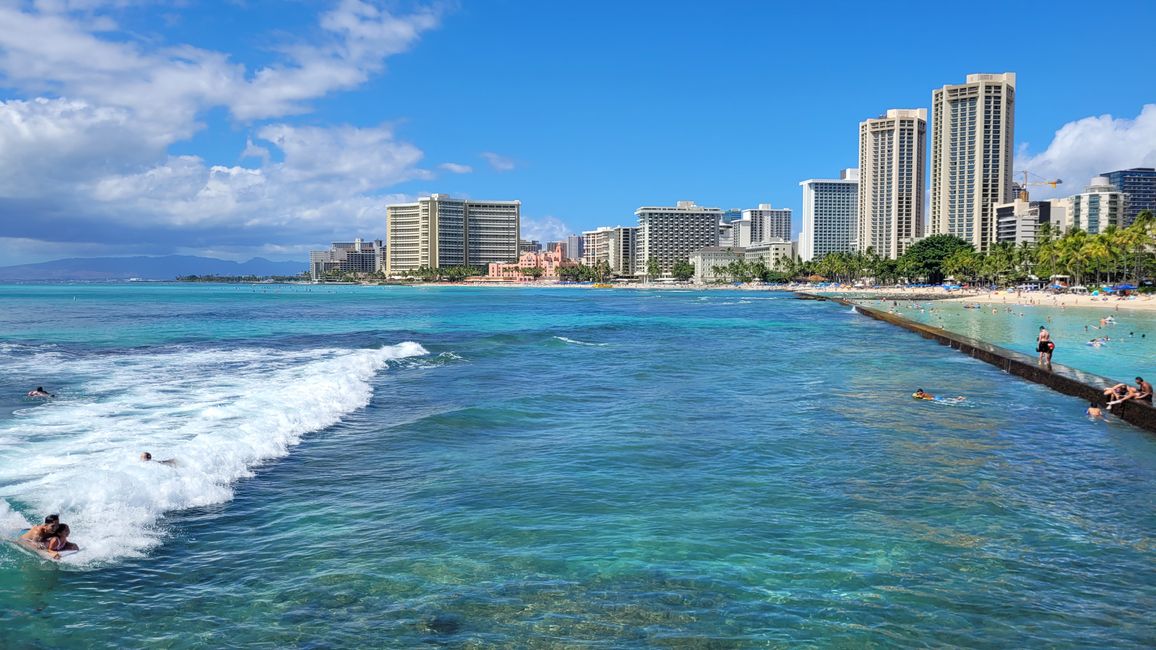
[[1125, 287]]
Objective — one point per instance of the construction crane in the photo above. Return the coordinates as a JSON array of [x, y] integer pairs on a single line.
[[1023, 187]]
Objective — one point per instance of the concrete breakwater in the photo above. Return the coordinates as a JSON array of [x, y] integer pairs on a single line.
[[1070, 381]]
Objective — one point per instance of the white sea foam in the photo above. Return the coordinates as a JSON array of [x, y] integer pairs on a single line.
[[217, 412], [573, 342]]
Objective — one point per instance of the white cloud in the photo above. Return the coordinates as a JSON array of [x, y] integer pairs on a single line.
[[1091, 146], [500, 163], [456, 168], [93, 149], [544, 229]]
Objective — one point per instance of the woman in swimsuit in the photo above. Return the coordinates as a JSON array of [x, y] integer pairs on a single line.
[[60, 542]]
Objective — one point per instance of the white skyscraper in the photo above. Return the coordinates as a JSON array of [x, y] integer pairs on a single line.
[[972, 133], [891, 159], [669, 234], [438, 232], [769, 223], [830, 213]]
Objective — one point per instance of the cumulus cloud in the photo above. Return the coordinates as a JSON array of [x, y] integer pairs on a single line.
[[500, 163], [87, 153], [456, 168], [1092, 146], [544, 229]]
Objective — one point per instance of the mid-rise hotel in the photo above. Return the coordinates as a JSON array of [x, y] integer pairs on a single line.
[[972, 125], [438, 231], [891, 157], [670, 234], [768, 224]]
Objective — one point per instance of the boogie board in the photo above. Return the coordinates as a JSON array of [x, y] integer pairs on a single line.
[[34, 550]]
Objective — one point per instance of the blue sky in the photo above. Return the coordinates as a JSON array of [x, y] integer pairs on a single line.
[[248, 128]]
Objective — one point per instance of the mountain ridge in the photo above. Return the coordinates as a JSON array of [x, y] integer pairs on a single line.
[[146, 267]]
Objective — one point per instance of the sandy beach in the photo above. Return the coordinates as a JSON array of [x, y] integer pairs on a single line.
[[1111, 303]]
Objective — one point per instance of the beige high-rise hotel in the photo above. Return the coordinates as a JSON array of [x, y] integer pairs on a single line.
[[438, 232], [891, 161], [972, 129]]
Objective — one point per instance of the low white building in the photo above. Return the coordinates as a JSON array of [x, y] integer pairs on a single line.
[[775, 254], [1019, 221], [705, 261]]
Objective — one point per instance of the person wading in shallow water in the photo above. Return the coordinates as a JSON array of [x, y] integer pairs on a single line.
[[1045, 347]]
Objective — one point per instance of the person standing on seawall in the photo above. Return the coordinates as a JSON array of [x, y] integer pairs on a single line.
[[1045, 347]]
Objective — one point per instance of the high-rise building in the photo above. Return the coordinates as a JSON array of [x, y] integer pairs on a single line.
[[1100, 205], [669, 234], [1019, 221], [438, 232], [1139, 183], [622, 250], [830, 215], [574, 247], [529, 246], [972, 127], [357, 256], [891, 160], [769, 223]]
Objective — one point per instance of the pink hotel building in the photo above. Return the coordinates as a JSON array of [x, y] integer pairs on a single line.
[[548, 261]]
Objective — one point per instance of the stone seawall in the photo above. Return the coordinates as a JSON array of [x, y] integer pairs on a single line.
[[1084, 385]]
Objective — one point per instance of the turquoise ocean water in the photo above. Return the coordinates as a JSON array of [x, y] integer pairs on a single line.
[[1130, 350], [480, 467]]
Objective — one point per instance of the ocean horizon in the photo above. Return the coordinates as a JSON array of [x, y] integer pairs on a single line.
[[403, 466]]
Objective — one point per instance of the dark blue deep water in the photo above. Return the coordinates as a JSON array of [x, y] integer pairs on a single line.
[[485, 467]]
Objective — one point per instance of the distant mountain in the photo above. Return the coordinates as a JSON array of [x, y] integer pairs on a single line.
[[167, 267]]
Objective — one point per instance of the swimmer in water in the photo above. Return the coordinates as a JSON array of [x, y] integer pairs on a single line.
[[924, 395], [1094, 411], [40, 392], [147, 457]]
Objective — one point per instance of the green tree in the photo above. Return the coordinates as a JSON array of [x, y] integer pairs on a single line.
[[652, 269], [924, 258], [682, 270]]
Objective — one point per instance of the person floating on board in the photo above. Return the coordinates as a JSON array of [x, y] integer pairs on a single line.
[[147, 457], [40, 392], [40, 534], [924, 395], [59, 542]]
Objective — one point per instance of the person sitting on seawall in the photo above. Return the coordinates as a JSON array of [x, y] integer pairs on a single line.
[[146, 457], [60, 542], [1119, 393], [40, 392], [1143, 391], [40, 534]]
